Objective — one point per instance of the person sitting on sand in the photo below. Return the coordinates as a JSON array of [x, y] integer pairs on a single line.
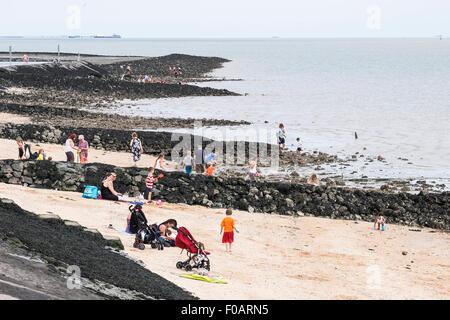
[[299, 146], [83, 147], [159, 162], [149, 181], [380, 220], [253, 170], [136, 147], [69, 148], [41, 155], [313, 179], [107, 188], [227, 227], [188, 163], [164, 227], [282, 136]]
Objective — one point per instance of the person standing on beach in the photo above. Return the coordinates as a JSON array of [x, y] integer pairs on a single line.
[[227, 227], [199, 158], [188, 162], [83, 147], [24, 150], [159, 162], [136, 148], [253, 170], [69, 148], [282, 136], [149, 181]]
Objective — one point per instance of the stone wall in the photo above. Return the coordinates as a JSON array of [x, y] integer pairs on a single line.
[[154, 142], [429, 210]]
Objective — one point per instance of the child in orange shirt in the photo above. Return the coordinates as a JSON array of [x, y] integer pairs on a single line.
[[227, 225]]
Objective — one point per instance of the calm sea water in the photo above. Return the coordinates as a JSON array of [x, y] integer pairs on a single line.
[[395, 93]]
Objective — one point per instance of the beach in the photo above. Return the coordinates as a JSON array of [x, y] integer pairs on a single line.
[[274, 257], [296, 240]]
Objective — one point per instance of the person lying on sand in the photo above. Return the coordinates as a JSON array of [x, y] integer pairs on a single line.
[[380, 220]]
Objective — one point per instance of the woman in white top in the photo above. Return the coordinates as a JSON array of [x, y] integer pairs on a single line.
[[159, 162], [70, 147]]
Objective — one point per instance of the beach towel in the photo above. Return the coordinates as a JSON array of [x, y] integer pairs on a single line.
[[210, 279], [90, 192]]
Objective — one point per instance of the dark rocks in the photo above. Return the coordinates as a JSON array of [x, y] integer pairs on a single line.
[[429, 210]]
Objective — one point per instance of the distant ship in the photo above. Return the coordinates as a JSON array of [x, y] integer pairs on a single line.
[[74, 37], [114, 36]]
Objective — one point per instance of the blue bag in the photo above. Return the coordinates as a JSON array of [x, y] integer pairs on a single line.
[[90, 192]]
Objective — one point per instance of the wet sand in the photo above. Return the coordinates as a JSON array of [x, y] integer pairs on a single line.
[[275, 257]]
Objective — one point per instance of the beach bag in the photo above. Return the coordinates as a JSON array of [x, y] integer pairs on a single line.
[[90, 192]]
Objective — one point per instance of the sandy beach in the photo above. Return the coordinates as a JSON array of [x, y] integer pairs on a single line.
[[275, 257], [9, 151]]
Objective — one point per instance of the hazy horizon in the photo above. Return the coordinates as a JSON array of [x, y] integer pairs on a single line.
[[232, 19]]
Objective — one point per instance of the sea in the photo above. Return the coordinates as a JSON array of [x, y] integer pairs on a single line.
[[393, 93]]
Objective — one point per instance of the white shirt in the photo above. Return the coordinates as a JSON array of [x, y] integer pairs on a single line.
[[158, 164], [188, 161], [253, 170], [68, 147]]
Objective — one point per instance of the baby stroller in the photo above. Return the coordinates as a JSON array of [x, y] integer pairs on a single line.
[[197, 256], [145, 234]]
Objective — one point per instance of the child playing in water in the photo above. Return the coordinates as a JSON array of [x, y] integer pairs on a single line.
[[380, 220], [149, 183], [228, 227]]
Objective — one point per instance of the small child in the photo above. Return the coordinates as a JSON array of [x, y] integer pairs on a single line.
[[149, 182], [299, 146], [211, 167], [380, 220], [227, 225], [41, 155], [253, 170]]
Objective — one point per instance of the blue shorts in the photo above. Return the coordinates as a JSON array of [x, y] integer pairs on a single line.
[[188, 169], [281, 141]]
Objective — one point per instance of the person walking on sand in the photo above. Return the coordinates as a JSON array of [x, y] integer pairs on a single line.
[[227, 227], [83, 147], [282, 136], [188, 162], [199, 158], [159, 162], [69, 148], [380, 220], [149, 181], [136, 148]]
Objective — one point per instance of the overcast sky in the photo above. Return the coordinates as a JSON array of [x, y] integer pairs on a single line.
[[226, 18]]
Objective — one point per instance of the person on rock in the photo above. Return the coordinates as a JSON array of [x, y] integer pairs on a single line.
[[149, 181]]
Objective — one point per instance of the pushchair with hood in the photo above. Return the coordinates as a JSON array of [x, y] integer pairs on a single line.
[[145, 234], [197, 256]]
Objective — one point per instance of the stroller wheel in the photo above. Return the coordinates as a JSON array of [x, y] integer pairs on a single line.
[[141, 246], [179, 265], [153, 245], [188, 267]]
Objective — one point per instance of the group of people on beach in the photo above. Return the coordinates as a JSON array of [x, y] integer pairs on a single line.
[[81, 149], [26, 153]]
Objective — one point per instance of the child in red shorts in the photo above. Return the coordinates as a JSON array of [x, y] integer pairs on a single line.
[[227, 225]]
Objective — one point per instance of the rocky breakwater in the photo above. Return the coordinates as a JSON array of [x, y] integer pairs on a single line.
[[76, 118], [154, 142], [423, 209]]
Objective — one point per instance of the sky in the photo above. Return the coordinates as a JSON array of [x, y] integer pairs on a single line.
[[226, 18]]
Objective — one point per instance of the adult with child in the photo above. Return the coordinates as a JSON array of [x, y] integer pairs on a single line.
[[228, 227], [69, 148], [164, 228], [149, 181], [83, 147], [24, 149], [136, 147]]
